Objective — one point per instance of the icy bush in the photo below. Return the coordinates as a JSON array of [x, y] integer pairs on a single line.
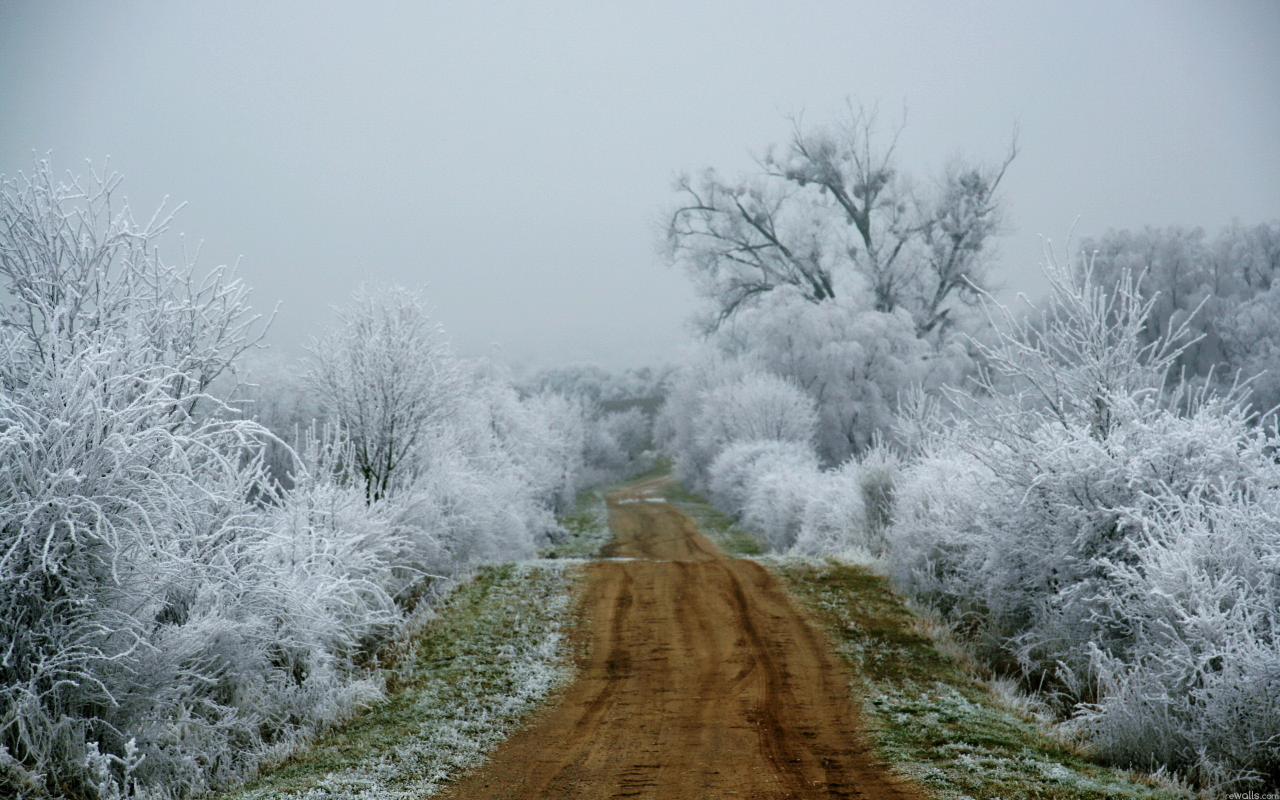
[[677, 429], [387, 376], [1199, 685], [1107, 540], [847, 510], [852, 360], [756, 407], [938, 537], [157, 629], [716, 403], [737, 471], [76, 267], [779, 496], [833, 517], [169, 617]]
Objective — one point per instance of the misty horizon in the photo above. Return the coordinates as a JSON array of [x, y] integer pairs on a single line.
[[516, 163]]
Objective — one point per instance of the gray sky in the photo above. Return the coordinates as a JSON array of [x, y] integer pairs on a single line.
[[515, 157]]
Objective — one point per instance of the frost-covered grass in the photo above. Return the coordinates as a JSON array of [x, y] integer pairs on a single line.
[[497, 648], [931, 719], [714, 525], [586, 527]]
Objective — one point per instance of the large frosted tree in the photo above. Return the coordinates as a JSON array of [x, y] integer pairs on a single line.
[[832, 213], [830, 267]]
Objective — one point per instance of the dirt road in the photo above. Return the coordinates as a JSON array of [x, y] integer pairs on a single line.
[[700, 680]]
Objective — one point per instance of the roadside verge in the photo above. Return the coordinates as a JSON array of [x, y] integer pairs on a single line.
[[497, 648]]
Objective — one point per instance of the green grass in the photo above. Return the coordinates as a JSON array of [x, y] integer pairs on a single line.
[[498, 647], [714, 525], [930, 719]]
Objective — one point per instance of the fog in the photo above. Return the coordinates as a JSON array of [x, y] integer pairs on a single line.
[[517, 159]]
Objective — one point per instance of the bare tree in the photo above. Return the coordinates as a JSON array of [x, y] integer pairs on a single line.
[[831, 209], [387, 375]]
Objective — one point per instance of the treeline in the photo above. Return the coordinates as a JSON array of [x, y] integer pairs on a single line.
[[1087, 491], [197, 575]]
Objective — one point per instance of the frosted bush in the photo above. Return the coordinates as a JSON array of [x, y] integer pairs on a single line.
[[386, 375], [1199, 685], [938, 540], [1108, 541], [878, 473], [847, 510], [777, 503], [677, 429], [737, 471], [169, 618], [128, 614], [834, 518], [756, 407], [852, 360], [767, 484], [76, 267]]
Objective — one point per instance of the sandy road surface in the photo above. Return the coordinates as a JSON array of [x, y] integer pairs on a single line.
[[701, 680]]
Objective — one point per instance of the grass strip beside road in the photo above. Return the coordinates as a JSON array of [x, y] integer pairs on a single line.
[[499, 646], [586, 528], [930, 719], [711, 522]]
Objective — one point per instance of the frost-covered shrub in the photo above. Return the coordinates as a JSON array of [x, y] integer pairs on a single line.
[[169, 616], [159, 629], [939, 536], [543, 437], [833, 518], [678, 429], [756, 407], [76, 267], [386, 375], [878, 472], [778, 496], [108, 519], [852, 360], [848, 509], [1109, 541], [1199, 686], [737, 471]]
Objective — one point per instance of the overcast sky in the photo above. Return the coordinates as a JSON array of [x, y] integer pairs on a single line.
[[514, 158]]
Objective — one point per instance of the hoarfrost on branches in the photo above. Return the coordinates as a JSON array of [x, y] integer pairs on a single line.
[[172, 614]]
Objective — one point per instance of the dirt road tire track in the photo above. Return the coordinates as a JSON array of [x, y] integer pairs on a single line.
[[699, 679]]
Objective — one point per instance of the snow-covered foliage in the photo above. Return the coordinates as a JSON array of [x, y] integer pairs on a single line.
[[618, 413], [386, 376], [736, 473], [275, 394], [1198, 682], [597, 385], [170, 615], [1105, 539], [717, 402], [831, 214], [1222, 287], [853, 361], [756, 407], [618, 444], [676, 429]]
